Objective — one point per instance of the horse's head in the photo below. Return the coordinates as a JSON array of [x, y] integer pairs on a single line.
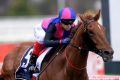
[[94, 36]]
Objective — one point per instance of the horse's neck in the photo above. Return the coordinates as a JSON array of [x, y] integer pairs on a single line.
[[77, 58]]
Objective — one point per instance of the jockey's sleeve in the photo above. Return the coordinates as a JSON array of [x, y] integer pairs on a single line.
[[49, 37]]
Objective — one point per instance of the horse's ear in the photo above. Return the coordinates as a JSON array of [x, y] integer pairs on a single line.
[[97, 16], [81, 17]]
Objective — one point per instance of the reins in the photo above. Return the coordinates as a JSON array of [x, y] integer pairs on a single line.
[[78, 47], [50, 61]]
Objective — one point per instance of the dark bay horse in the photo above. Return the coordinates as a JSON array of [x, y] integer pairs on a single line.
[[71, 63]]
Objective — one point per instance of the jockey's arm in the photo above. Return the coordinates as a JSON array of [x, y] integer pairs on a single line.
[[48, 40]]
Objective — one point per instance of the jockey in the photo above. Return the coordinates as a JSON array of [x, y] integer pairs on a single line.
[[53, 32]]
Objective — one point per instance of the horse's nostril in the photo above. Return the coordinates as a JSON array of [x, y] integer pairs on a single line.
[[109, 52]]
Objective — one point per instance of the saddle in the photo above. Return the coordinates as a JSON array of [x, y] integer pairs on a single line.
[[23, 73]]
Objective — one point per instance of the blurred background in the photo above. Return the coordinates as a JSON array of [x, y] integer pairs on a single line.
[[18, 17]]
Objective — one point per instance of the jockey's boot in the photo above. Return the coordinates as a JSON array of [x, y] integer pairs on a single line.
[[32, 62]]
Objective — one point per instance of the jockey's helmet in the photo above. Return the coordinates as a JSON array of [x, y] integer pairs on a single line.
[[67, 15]]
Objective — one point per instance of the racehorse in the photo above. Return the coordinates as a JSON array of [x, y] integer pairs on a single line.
[[71, 62]]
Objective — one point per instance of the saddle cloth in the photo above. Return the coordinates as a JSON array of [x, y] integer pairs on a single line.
[[22, 72]]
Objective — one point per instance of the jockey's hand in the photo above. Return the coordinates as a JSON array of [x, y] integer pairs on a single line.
[[65, 41]]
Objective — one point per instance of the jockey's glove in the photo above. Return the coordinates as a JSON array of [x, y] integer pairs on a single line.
[[65, 41]]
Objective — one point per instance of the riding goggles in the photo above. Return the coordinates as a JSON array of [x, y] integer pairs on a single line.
[[67, 21]]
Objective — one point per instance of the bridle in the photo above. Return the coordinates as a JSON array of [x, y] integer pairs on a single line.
[[97, 51], [86, 23], [100, 52]]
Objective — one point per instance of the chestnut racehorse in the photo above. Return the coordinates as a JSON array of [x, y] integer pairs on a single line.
[[71, 62]]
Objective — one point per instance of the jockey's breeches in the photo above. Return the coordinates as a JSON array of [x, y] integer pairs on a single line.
[[37, 48]]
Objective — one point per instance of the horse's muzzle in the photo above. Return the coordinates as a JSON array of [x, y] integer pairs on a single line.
[[107, 55]]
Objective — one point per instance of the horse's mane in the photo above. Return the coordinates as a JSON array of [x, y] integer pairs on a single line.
[[89, 14]]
